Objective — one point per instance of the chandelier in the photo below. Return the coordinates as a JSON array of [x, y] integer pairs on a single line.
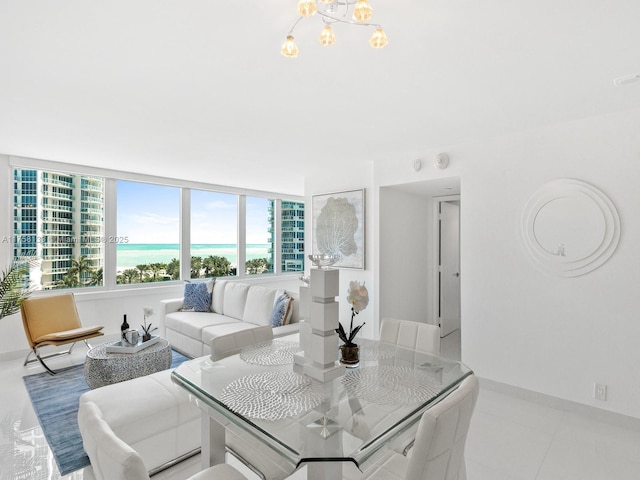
[[352, 12]]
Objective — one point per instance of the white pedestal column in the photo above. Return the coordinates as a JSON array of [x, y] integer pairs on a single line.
[[320, 359]]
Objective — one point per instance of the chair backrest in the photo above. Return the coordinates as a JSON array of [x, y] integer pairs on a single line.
[[45, 315], [422, 337], [438, 452], [224, 345], [111, 458]]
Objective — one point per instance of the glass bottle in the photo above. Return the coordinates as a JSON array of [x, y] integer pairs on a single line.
[[124, 327]]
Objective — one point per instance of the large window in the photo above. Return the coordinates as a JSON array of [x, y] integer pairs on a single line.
[[93, 229], [148, 238], [259, 245], [59, 218], [214, 234]]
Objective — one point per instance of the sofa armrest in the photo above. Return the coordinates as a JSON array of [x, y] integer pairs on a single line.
[[286, 330], [171, 305], [168, 306]]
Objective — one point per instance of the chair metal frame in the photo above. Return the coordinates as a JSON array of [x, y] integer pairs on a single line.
[[41, 358]]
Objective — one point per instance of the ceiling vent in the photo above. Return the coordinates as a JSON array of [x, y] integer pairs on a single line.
[[627, 79]]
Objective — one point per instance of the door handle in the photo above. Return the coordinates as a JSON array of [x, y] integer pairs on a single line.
[[457, 274]]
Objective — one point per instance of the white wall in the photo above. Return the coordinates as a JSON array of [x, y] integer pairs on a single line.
[[351, 177], [527, 328], [405, 246]]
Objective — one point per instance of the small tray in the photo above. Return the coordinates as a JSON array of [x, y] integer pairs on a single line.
[[124, 347]]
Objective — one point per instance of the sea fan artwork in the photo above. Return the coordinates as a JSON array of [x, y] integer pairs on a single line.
[[336, 227]]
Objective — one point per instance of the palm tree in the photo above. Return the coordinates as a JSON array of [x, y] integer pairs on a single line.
[[70, 280], [12, 290], [216, 266], [173, 269], [142, 268], [257, 265], [81, 268], [196, 266], [156, 268], [96, 277], [128, 276]]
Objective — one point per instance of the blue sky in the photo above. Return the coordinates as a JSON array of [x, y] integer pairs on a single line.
[[150, 214]]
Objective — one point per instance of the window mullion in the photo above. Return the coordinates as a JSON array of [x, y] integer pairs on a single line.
[[242, 235], [110, 230], [185, 234]]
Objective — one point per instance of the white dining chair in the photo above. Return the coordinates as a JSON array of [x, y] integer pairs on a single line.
[[418, 336], [438, 453]]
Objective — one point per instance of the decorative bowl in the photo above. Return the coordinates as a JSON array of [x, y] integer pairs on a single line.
[[323, 259]]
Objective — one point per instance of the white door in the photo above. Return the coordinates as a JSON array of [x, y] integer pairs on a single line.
[[449, 268]]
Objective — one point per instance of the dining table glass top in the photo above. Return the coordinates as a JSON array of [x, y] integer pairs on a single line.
[[301, 419]]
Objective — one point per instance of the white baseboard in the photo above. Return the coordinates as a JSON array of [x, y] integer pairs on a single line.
[[589, 411]]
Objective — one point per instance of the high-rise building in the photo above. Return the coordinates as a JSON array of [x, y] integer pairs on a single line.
[[59, 218], [292, 216]]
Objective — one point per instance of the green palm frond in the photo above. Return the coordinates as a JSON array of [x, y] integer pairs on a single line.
[[12, 291]]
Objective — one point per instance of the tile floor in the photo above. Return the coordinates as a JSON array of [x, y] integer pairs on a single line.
[[510, 438]]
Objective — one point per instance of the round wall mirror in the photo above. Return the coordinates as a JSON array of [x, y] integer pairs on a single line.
[[570, 227]]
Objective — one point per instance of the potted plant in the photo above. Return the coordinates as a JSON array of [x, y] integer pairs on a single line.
[[12, 291], [146, 336], [358, 297]]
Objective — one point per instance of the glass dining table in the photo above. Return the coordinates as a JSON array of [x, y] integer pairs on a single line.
[[357, 418]]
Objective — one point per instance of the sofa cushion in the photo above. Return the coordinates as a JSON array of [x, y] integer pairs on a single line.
[[209, 333], [260, 301], [192, 323], [197, 297], [235, 299]]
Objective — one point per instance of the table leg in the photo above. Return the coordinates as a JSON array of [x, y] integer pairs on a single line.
[[213, 442], [324, 470]]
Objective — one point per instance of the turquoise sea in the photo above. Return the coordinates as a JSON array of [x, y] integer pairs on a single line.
[[132, 254]]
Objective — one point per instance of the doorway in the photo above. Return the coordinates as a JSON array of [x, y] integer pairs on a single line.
[[448, 263]]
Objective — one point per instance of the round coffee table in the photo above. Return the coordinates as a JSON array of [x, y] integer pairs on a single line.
[[104, 368]]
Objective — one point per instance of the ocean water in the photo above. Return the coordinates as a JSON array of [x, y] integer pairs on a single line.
[[132, 254]]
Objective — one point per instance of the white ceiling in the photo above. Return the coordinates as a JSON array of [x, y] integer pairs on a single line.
[[198, 90]]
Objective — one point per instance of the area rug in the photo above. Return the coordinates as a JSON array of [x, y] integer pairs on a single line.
[[55, 399]]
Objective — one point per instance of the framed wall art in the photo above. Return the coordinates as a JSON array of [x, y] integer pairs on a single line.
[[338, 227]]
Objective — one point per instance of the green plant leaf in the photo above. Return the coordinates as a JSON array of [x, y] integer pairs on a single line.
[[355, 332]]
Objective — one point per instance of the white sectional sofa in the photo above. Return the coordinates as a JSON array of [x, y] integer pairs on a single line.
[[235, 306]]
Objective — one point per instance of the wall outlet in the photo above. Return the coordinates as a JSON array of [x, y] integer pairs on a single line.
[[599, 391]]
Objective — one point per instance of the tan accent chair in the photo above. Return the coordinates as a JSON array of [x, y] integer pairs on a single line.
[[53, 321]]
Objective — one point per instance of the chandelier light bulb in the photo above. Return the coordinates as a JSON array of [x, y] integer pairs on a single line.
[[289, 48], [327, 37], [327, 1], [362, 12], [306, 8], [378, 39]]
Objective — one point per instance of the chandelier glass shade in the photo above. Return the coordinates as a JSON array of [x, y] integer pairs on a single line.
[[332, 12]]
